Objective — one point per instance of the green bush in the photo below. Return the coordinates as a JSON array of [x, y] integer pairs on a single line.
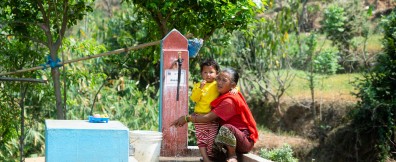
[[283, 154], [375, 115], [326, 62], [298, 53], [333, 23]]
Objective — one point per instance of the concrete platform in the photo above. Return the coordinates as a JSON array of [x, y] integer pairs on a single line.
[[179, 159], [36, 159], [195, 157], [244, 158]]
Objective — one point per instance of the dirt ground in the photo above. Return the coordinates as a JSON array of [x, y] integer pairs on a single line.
[[268, 140], [329, 139], [296, 127]]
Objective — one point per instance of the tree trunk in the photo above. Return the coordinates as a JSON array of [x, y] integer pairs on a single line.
[[278, 107], [22, 105], [302, 19], [312, 88], [57, 87], [56, 79]]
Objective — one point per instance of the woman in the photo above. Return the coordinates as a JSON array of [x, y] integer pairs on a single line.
[[238, 131]]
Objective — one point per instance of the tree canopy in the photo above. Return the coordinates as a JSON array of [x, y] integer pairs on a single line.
[[44, 22], [202, 18]]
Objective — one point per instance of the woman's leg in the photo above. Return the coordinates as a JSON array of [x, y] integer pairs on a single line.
[[243, 143], [233, 140], [231, 154]]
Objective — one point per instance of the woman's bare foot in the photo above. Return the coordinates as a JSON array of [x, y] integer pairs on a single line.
[[232, 159]]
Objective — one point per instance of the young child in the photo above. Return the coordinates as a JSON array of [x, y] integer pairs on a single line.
[[203, 94]]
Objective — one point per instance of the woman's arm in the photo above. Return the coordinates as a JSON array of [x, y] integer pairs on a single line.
[[195, 119], [203, 118]]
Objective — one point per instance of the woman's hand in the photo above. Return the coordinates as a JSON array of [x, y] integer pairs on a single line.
[[179, 122]]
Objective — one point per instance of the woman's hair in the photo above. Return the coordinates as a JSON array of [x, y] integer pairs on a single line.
[[233, 74], [210, 62]]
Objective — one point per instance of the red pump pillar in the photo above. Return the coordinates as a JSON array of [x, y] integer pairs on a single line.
[[173, 93]]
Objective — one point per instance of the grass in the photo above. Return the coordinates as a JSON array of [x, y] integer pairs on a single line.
[[326, 86], [333, 86], [329, 88], [373, 44]]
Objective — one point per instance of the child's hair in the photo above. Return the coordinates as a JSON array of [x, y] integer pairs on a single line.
[[210, 62]]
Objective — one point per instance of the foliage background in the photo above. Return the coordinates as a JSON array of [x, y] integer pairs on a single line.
[[282, 52]]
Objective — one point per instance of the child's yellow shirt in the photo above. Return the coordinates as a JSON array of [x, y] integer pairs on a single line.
[[203, 97]]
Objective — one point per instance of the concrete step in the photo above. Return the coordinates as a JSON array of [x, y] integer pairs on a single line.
[[193, 157], [244, 158], [179, 159], [241, 158]]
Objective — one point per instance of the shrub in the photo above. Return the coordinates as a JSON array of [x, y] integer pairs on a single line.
[[283, 154], [336, 25], [326, 62], [375, 117]]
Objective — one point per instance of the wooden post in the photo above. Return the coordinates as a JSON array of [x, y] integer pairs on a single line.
[[174, 47]]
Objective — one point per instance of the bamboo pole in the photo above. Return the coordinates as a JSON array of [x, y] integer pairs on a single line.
[[23, 80], [118, 51]]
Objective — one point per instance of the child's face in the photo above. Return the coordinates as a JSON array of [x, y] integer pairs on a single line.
[[209, 73]]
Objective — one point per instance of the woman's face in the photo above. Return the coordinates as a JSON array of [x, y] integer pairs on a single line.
[[224, 83]]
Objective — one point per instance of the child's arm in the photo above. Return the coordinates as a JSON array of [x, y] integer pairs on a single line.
[[196, 92], [234, 91]]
